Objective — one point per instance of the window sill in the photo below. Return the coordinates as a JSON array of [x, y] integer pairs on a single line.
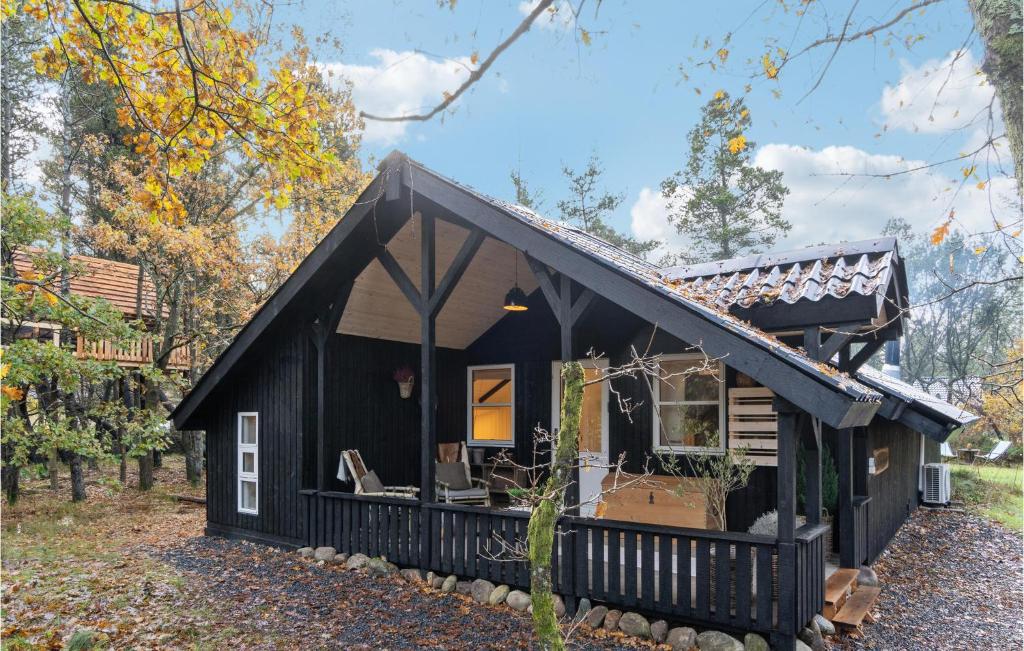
[[688, 450], [490, 444]]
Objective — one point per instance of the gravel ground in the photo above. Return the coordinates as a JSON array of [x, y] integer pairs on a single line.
[[949, 581], [281, 598]]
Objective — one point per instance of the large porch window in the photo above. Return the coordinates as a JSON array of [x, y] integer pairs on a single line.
[[491, 405], [689, 415], [248, 462]]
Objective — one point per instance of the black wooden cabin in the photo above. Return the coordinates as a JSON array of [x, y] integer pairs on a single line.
[[415, 275]]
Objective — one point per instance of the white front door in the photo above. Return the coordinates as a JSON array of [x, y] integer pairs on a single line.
[[593, 442]]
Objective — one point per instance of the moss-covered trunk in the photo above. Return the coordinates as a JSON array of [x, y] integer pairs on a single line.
[[544, 517], [998, 22]]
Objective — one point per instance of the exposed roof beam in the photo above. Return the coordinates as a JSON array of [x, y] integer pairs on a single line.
[[401, 279], [455, 270], [841, 337]]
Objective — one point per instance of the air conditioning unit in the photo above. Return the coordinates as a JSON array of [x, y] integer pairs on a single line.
[[936, 483]]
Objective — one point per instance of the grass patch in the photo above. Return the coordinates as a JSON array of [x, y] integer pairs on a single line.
[[996, 492]]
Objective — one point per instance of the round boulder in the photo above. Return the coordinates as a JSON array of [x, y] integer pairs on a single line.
[[867, 577], [412, 575], [357, 561], [448, 585], [498, 595], [826, 627], [754, 642], [381, 567], [636, 625], [659, 630], [559, 605], [481, 590], [611, 620], [596, 616], [325, 553], [464, 587], [717, 641], [682, 638], [340, 558], [518, 600], [306, 552]]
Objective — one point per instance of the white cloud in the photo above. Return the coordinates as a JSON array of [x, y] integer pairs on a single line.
[[939, 96], [399, 83], [825, 207], [649, 221], [557, 17]]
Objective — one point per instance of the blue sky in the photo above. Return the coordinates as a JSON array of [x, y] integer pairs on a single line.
[[550, 100]]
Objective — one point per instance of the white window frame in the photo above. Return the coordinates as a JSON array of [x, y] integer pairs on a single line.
[[656, 419], [470, 441], [254, 449]]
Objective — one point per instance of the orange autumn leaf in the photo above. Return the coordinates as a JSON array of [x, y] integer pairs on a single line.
[[14, 393], [941, 232]]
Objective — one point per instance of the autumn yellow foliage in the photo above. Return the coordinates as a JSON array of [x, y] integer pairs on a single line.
[[186, 81]]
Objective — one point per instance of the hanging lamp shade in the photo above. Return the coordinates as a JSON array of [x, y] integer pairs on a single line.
[[515, 300]]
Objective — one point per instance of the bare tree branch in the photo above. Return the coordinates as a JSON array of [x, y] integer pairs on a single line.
[[474, 76]]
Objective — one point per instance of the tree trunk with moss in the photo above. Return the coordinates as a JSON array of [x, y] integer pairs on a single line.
[[544, 517], [999, 23]]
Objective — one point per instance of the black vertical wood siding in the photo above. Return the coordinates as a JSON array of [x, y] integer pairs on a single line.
[[366, 412], [271, 384], [894, 492]]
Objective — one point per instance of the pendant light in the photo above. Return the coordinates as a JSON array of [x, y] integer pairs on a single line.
[[515, 299]]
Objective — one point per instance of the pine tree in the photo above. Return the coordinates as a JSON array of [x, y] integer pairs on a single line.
[[723, 203], [587, 208]]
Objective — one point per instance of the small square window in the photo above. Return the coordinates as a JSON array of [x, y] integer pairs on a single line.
[[248, 430], [491, 405], [248, 496], [688, 405], [249, 462]]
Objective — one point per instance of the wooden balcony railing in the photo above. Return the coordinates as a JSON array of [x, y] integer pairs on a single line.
[[136, 353]]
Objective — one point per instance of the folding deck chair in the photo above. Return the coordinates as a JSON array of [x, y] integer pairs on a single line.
[[368, 483]]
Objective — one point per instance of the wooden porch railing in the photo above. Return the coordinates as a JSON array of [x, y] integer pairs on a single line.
[[861, 507], [724, 579], [136, 353]]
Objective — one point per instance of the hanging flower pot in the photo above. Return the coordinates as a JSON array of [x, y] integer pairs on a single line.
[[405, 379]]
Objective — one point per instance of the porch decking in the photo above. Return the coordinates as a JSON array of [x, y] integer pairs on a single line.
[[734, 580]]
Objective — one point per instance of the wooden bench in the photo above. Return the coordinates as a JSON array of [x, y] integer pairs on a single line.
[[837, 588], [855, 610]]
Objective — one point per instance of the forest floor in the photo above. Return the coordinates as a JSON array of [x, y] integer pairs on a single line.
[[132, 570]]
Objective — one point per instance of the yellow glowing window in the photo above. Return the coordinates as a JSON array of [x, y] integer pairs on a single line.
[[491, 405]]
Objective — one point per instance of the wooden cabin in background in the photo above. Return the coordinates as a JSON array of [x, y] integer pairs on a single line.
[[122, 285]]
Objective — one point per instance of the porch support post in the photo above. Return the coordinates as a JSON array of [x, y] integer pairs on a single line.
[[785, 537], [567, 313], [428, 414], [326, 322], [844, 467], [812, 470]]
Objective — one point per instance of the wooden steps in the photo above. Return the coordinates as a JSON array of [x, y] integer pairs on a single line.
[[855, 610], [837, 588]]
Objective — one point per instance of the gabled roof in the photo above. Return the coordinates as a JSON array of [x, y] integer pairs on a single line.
[[637, 286], [769, 288], [929, 415]]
